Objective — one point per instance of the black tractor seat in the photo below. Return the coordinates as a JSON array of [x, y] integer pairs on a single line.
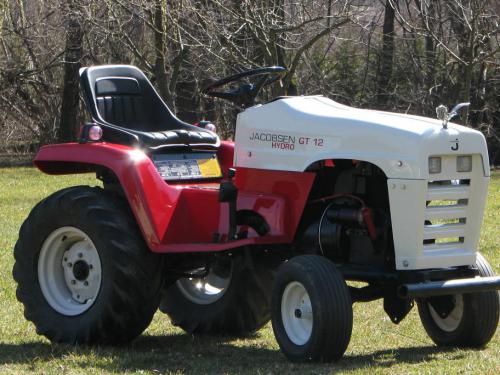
[[125, 104]]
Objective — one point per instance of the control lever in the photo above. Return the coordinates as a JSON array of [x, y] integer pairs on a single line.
[[229, 193]]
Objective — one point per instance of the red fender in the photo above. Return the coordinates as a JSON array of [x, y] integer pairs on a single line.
[[184, 217]]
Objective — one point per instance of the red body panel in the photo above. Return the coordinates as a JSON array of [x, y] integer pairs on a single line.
[[184, 217], [292, 188]]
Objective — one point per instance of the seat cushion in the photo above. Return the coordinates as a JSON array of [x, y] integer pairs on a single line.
[[177, 137]]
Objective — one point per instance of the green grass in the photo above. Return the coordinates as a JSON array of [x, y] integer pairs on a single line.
[[377, 346]]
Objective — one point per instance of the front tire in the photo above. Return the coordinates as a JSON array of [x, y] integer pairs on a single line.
[[83, 271], [472, 322], [311, 310]]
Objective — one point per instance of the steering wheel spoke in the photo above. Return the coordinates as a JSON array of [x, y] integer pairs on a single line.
[[245, 94], [228, 95], [271, 80]]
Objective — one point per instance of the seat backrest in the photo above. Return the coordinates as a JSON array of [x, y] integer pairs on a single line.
[[119, 101], [121, 95]]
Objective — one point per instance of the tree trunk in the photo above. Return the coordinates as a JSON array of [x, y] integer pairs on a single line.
[[387, 56], [430, 51], [72, 63], [160, 58]]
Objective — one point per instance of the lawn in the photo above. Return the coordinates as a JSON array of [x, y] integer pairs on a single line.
[[377, 346]]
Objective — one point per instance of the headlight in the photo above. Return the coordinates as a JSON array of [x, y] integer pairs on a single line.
[[464, 163], [435, 164]]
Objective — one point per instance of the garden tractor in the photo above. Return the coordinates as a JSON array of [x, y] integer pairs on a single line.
[[313, 207]]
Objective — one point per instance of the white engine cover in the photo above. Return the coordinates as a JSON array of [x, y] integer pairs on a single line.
[[290, 134]]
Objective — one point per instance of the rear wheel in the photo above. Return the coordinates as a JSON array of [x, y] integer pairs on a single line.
[[83, 271], [233, 298], [473, 320], [311, 310]]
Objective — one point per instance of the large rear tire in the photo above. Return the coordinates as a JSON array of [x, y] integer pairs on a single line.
[[311, 310], [233, 299], [472, 322], [84, 273]]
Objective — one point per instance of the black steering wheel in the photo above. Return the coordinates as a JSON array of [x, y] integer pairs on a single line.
[[245, 94]]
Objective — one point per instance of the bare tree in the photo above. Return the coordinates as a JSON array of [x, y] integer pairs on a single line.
[[387, 55], [72, 63], [400, 55]]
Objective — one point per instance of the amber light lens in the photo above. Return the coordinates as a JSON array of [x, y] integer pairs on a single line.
[[464, 163], [435, 164]]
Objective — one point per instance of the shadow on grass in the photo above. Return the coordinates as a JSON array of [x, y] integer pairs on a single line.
[[16, 163], [188, 354], [390, 357]]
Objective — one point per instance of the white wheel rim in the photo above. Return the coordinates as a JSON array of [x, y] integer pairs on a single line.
[[452, 321], [296, 313], [204, 290], [69, 271]]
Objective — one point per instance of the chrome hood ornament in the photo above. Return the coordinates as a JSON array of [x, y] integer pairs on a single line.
[[443, 115]]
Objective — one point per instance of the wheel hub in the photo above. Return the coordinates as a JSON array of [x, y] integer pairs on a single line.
[[81, 270], [208, 289], [69, 271], [80, 275], [296, 313], [451, 321]]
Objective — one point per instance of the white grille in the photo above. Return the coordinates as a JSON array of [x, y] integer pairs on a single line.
[[436, 222], [446, 210]]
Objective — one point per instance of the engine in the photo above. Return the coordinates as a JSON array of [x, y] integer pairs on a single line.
[[347, 219]]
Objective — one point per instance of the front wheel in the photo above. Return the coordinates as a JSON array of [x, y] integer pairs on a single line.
[[311, 310], [473, 320]]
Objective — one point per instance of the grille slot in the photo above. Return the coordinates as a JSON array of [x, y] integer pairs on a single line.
[[447, 192], [457, 211], [443, 203], [444, 231]]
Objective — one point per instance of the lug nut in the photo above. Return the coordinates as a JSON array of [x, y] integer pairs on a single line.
[[70, 264], [86, 283], [91, 266], [73, 282], [80, 255]]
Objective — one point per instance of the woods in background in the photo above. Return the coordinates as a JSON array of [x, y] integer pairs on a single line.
[[397, 55]]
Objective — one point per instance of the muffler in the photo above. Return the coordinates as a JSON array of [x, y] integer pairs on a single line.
[[449, 287]]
